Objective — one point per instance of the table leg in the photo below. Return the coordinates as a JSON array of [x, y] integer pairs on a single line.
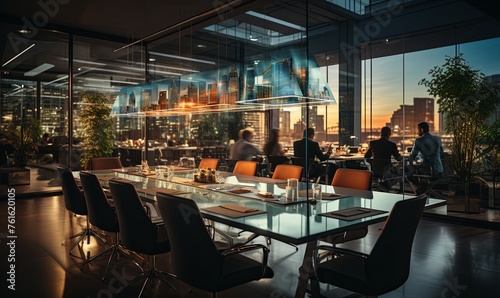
[[306, 270]]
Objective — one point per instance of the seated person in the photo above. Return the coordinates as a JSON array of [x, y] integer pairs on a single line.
[[243, 149], [385, 149], [307, 144], [429, 148]]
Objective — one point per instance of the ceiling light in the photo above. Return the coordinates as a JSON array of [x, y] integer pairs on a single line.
[[275, 20], [13, 58], [152, 59], [253, 38], [24, 31], [181, 58], [201, 46], [38, 70]]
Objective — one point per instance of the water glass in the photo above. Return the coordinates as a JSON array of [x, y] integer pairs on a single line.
[[292, 189], [316, 191], [170, 173], [160, 171], [289, 193]]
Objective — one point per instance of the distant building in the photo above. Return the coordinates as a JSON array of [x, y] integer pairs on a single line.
[[407, 117]]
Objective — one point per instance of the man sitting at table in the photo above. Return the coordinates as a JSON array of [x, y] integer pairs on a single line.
[[309, 146], [243, 149], [385, 149]]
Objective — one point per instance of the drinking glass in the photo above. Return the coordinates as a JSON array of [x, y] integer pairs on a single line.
[[316, 191]]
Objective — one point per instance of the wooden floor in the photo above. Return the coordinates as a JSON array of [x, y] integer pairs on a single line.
[[448, 260]]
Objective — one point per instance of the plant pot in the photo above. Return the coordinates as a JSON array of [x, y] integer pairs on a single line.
[[15, 176], [465, 197]]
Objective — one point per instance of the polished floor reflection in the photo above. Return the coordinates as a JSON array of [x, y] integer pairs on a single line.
[[448, 261]]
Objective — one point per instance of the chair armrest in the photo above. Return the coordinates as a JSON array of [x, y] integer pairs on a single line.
[[317, 257], [246, 248], [223, 235]]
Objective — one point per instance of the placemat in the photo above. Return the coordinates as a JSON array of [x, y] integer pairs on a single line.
[[331, 196], [232, 213], [353, 213], [119, 179], [153, 191]]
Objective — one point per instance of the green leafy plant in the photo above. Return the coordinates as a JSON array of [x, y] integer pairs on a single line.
[[98, 138], [24, 136], [467, 101]]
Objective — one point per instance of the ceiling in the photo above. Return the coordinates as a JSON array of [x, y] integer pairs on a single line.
[[211, 31]]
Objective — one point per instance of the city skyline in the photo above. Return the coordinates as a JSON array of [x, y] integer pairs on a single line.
[[395, 79]]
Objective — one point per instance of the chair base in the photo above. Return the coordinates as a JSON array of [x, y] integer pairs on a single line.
[[87, 232], [114, 250], [151, 274]]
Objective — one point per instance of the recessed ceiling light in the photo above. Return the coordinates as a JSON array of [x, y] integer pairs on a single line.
[[201, 46], [253, 38], [152, 59], [24, 31]]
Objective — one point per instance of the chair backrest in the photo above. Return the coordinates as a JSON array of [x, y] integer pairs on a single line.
[[100, 212], [246, 167], [137, 232], [287, 171], [195, 258], [352, 178], [306, 164], [391, 254], [378, 166], [73, 196], [105, 163], [275, 160], [211, 163]]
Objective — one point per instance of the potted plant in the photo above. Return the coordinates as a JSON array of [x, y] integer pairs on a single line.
[[21, 139], [491, 142], [467, 101], [98, 139]]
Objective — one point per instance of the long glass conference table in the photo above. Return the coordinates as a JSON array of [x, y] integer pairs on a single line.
[[259, 205]]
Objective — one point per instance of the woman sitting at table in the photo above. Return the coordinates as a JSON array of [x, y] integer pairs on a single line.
[[273, 146]]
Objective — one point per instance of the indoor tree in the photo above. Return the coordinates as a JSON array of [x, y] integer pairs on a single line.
[[467, 101], [98, 127]]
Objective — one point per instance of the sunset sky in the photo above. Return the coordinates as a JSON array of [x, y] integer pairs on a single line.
[[394, 86]]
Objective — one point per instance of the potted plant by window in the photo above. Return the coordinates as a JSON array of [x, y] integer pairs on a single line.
[[21, 140], [467, 101], [98, 127], [490, 140]]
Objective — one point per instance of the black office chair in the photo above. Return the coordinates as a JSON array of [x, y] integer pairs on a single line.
[[387, 267], [74, 201], [195, 258], [138, 233], [385, 174], [427, 180], [101, 215]]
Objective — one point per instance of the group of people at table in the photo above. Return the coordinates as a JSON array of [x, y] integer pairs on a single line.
[[426, 152]]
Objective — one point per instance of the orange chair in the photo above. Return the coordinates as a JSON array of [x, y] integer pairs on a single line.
[[352, 178], [246, 167], [104, 163], [287, 171], [209, 163]]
